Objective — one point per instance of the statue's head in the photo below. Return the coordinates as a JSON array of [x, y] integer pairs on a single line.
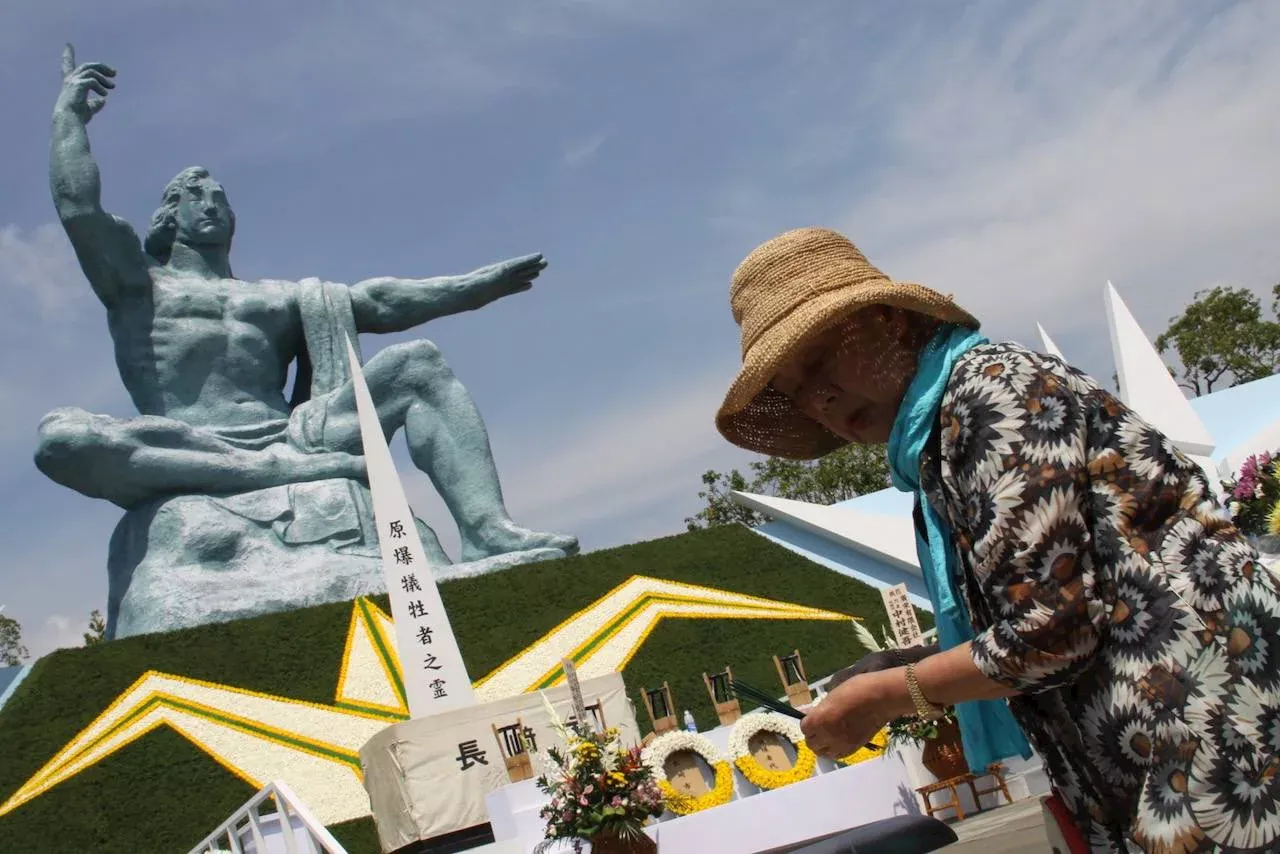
[[193, 211]]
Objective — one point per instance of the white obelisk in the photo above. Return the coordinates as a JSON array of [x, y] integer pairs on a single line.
[[435, 678]]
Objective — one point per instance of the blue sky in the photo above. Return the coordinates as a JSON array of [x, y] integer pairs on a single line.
[[1016, 154]]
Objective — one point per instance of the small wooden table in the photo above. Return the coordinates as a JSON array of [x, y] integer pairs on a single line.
[[995, 772]]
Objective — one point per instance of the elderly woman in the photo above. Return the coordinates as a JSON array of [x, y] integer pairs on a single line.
[[1078, 564]]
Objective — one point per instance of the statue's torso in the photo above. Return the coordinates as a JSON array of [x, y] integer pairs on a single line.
[[208, 352]]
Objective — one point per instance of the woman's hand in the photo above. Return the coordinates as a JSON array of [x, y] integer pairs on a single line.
[[851, 714], [883, 660]]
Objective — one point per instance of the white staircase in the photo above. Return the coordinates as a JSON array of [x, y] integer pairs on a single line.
[[290, 829]]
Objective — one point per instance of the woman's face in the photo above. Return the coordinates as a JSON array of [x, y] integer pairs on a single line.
[[852, 378]]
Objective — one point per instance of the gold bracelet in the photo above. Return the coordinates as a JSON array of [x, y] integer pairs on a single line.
[[925, 710]]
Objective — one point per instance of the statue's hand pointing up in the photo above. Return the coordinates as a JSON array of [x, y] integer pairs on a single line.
[[84, 87]]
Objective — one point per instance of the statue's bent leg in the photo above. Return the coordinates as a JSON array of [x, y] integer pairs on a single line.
[[413, 387], [128, 461]]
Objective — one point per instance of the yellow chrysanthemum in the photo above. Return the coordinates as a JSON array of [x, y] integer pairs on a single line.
[[720, 794], [1273, 520], [862, 754]]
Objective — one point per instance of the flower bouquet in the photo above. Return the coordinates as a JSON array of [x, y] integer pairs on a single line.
[[1255, 496], [1255, 505], [601, 792]]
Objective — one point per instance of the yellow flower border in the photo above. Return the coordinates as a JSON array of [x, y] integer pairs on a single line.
[[862, 754], [762, 778], [678, 741], [759, 776], [720, 795]]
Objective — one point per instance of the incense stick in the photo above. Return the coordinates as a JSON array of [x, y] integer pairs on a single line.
[[760, 698]]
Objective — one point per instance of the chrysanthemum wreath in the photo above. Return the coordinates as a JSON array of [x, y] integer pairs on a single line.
[[671, 743], [740, 750]]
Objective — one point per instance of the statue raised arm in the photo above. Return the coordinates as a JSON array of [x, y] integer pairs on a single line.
[[206, 358], [107, 247]]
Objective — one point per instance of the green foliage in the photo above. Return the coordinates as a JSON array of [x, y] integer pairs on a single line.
[[1222, 337], [846, 473], [914, 730], [358, 837], [163, 794], [12, 652], [97, 628]]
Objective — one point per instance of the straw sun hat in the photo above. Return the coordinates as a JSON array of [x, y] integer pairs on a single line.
[[788, 291]]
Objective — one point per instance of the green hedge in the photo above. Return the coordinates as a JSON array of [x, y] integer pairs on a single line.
[[162, 794]]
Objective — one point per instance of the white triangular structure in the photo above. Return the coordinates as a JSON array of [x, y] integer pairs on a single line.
[[884, 537], [435, 677], [1149, 390], [1049, 347], [1146, 385]]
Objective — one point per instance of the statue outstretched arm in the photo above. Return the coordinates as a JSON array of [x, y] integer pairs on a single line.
[[106, 246], [390, 304]]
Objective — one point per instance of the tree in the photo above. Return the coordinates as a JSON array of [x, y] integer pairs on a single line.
[[12, 652], [843, 474], [97, 629], [1222, 338]]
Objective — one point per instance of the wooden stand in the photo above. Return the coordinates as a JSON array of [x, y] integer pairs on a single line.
[[728, 709], [515, 754], [661, 708], [995, 772], [794, 680]]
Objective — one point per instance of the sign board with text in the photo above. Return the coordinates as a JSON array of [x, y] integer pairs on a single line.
[[902, 616], [435, 678], [428, 777]]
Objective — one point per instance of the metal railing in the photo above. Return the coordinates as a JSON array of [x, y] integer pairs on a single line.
[[289, 829]]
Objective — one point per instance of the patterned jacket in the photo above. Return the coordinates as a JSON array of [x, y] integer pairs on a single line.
[[1107, 584]]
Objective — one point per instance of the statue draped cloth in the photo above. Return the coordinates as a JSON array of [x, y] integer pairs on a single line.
[[334, 511]]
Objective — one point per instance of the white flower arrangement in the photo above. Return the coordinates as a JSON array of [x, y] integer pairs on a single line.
[[679, 741], [747, 728], [748, 725]]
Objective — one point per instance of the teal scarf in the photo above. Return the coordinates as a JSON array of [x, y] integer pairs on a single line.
[[987, 727]]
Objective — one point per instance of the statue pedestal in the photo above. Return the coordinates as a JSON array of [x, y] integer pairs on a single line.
[[185, 561], [428, 778]]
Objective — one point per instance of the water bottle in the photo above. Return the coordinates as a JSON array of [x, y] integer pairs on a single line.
[[689, 723]]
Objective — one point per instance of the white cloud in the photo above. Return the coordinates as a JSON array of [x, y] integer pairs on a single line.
[[583, 151], [56, 632], [1038, 150], [40, 278], [638, 457], [368, 65], [629, 455], [52, 318]]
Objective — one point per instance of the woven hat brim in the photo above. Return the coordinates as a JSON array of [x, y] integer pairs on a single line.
[[757, 417]]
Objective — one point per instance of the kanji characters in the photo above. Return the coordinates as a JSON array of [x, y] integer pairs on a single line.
[[470, 754]]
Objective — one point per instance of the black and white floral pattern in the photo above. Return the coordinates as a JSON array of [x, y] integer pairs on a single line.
[[1107, 585]]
